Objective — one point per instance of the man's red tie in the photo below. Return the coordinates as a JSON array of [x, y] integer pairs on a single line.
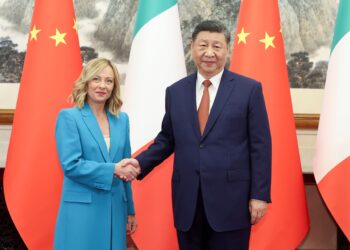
[[203, 110]]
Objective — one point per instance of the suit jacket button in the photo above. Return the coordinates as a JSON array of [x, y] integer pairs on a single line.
[[201, 146]]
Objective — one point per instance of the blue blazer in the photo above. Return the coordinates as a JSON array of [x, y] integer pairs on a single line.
[[230, 163], [94, 205]]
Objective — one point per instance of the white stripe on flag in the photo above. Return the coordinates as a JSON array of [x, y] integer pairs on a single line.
[[156, 61], [333, 143]]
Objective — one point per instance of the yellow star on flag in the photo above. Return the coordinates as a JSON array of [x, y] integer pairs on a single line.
[[75, 26], [33, 34], [242, 36], [59, 37], [268, 41]]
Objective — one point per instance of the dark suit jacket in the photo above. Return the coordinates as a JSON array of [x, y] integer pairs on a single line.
[[230, 163]]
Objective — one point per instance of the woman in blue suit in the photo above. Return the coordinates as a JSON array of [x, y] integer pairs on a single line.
[[96, 208]]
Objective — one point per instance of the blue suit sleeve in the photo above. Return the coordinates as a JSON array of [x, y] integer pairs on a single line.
[[127, 185], [94, 174], [163, 145], [260, 146]]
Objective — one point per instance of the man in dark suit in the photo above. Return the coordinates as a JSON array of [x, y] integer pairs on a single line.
[[216, 124]]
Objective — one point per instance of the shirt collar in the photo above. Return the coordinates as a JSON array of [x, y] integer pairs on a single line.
[[215, 80]]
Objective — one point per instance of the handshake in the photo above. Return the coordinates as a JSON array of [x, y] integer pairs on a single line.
[[127, 169]]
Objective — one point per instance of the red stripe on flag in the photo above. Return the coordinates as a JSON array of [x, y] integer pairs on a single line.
[[335, 191], [154, 208]]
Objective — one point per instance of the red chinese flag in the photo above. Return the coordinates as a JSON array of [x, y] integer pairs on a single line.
[[259, 54], [33, 178]]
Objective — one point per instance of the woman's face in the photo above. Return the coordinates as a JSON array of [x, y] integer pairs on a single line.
[[100, 87]]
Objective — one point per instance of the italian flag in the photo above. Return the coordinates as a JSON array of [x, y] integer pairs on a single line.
[[156, 61], [332, 158]]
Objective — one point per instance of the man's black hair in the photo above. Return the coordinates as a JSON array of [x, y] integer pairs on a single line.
[[211, 26]]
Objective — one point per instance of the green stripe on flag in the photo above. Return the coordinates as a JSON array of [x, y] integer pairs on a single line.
[[148, 9], [342, 24]]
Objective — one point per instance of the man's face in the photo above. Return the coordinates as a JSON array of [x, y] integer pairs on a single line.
[[209, 52]]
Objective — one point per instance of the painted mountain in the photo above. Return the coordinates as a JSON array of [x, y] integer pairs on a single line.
[[106, 28]]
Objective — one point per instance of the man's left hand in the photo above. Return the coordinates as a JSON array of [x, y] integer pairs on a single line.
[[257, 210]]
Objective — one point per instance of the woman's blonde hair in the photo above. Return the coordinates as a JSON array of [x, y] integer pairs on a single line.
[[90, 70]]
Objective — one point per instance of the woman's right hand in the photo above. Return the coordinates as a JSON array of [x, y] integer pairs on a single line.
[[127, 169]]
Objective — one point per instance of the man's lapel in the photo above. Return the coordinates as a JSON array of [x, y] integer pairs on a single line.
[[225, 88], [190, 93], [92, 124]]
